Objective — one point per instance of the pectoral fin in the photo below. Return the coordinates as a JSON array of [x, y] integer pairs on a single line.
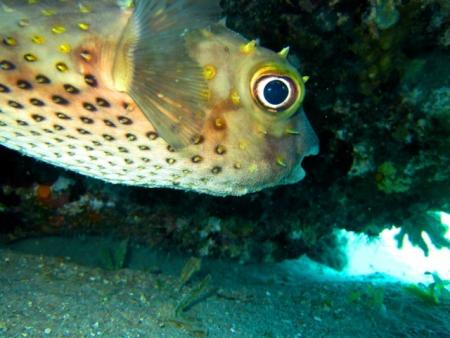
[[166, 83]]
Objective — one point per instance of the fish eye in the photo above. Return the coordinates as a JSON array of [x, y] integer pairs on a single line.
[[277, 89], [275, 92]]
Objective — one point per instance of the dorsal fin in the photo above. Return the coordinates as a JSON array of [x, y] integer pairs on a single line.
[[166, 83]]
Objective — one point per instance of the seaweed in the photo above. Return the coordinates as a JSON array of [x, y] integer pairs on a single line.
[[174, 313], [434, 293], [113, 257], [192, 266]]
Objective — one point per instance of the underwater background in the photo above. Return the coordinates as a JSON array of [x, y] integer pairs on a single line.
[[378, 98]]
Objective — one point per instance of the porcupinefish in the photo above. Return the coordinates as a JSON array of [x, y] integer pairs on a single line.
[[155, 93]]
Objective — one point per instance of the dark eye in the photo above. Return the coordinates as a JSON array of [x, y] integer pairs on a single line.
[[275, 92]]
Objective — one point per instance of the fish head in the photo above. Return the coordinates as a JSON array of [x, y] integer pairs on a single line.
[[255, 119]]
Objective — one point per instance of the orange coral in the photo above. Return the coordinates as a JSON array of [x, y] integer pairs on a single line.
[[43, 193]]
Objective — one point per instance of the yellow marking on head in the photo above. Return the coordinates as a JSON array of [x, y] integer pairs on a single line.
[[253, 168], [30, 57], [206, 33], [38, 39], [249, 47], [23, 22], [130, 107], [10, 41], [220, 149], [86, 56], [84, 26], [58, 29], [85, 9], [235, 98], [65, 48], [284, 52], [209, 72], [196, 159], [62, 67], [242, 145], [126, 4], [261, 130], [305, 79], [219, 123], [48, 12], [6, 9], [280, 160], [291, 131], [197, 139]]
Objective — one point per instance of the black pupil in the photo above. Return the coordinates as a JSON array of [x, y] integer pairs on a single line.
[[276, 92]]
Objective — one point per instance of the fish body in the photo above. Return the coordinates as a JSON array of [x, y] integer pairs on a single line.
[[149, 93]]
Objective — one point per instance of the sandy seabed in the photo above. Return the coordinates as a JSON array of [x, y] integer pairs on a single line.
[[59, 287]]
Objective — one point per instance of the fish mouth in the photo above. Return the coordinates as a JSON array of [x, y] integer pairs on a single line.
[[307, 145]]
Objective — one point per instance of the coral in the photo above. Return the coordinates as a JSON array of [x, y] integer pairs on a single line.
[[390, 180], [384, 13]]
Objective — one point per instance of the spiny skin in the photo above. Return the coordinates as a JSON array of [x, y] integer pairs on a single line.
[[65, 98]]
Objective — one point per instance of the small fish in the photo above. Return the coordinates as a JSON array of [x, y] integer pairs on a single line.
[[154, 93]]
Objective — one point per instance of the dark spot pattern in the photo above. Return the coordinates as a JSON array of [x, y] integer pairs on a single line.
[[90, 80], [125, 120], [38, 118], [216, 170], [25, 85], [131, 137], [60, 100], [109, 123], [63, 116], [83, 131], [42, 79], [22, 123], [15, 104], [71, 89], [89, 107], [37, 102], [151, 135], [108, 137], [86, 120], [7, 65], [102, 102], [4, 89]]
